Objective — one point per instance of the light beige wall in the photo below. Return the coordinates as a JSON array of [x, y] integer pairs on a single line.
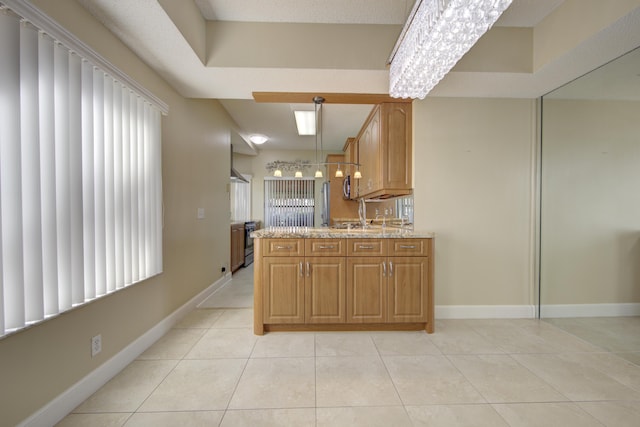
[[40, 363], [573, 22], [186, 15], [294, 45], [590, 202], [473, 188]]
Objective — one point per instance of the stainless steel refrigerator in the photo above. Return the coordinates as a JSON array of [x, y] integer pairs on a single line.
[[326, 197]]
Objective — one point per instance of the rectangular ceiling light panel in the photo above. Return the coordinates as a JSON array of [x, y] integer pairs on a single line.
[[306, 122]]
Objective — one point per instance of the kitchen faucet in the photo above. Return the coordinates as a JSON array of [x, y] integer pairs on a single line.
[[384, 218], [362, 213]]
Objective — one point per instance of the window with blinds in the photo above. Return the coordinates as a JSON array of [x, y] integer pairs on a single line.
[[80, 176], [289, 202], [241, 200]]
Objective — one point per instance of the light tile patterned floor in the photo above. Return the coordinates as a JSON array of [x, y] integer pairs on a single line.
[[210, 370]]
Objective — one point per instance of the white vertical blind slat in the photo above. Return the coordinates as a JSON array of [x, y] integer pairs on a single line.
[[75, 179], [109, 192], [156, 179], [63, 191], [147, 191], [99, 183], [118, 208], [48, 175], [135, 257], [141, 191], [10, 175], [31, 212], [126, 185], [88, 201]]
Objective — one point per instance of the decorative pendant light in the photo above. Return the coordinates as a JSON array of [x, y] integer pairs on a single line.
[[277, 172], [339, 173]]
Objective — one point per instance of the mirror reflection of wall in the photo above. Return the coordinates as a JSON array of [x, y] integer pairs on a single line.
[[590, 197], [396, 211]]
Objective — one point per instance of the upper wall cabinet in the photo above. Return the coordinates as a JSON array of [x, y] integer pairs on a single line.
[[385, 152]]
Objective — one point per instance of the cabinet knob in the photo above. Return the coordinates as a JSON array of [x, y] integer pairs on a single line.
[[284, 247], [407, 246], [365, 247], [301, 273], [384, 268], [390, 268], [326, 247]]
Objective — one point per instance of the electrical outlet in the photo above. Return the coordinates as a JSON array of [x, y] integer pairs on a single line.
[[96, 345]]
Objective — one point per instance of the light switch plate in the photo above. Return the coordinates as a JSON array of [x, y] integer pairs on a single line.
[[200, 213]]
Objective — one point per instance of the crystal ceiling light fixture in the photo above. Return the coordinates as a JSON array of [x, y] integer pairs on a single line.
[[436, 35]]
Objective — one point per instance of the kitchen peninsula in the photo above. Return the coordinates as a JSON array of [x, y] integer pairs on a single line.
[[322, 279]]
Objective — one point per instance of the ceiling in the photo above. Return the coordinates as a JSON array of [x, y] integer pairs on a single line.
[[229, 49]]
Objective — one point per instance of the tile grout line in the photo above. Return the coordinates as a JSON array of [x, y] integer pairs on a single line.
[[395, 388]]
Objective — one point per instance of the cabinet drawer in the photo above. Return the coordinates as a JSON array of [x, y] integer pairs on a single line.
[[283, 247], [409, 247], [367, 247], [325, 247]]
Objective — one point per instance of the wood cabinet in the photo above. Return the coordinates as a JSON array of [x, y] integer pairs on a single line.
[[283, 289], [385, 151], [407, 289], [303, 289], [324, 289], [237, 246], [366, 290], [337, 284], [325, 280], [383, 285]]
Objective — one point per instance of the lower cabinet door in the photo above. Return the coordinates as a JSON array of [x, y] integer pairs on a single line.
[[366, 290], [283, 290], [408, 289], [325, 284]]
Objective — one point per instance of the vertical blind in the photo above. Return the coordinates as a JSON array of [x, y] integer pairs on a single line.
[[241, 200], [80, 179], [289, 202]]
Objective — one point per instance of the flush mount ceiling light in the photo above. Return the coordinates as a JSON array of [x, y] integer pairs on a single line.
[[437, 34], [305, 122], [258, 139]]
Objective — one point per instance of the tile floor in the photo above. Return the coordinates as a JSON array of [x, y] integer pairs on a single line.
[[210, 370]]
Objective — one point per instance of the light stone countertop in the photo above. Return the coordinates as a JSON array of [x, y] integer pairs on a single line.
[[333, 233]]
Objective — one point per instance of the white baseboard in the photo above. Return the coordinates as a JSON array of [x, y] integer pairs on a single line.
[[63, 404], [224, 281], [485, 312], [590, 310]]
